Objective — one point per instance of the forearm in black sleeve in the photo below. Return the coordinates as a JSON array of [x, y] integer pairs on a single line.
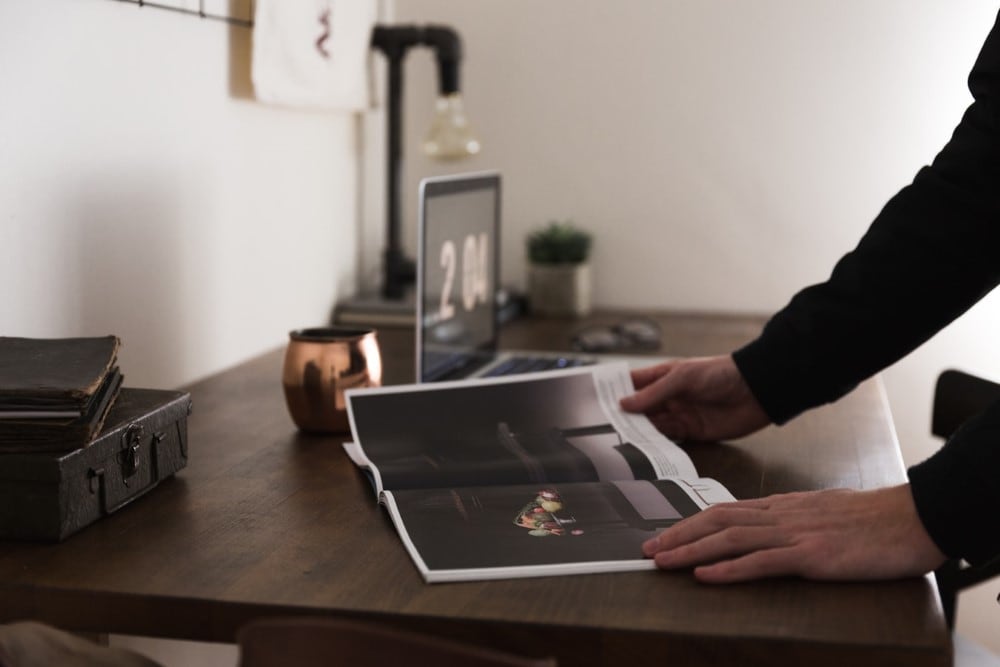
[[932, 252]]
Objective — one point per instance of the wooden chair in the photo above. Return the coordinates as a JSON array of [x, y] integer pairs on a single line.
[[328, 642], [957, 397]]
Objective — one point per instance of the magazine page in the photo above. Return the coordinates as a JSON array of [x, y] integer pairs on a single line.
[[497, 532], [614, 382], [555, 426]]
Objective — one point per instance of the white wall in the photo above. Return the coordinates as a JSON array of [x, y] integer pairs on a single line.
[[739, 148], [724, 153], [143, 193]]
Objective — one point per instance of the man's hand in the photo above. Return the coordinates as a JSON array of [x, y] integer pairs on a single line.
[[833, 535], [696, 399]]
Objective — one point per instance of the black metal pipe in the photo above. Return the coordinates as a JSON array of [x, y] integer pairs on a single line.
[[394, 42]]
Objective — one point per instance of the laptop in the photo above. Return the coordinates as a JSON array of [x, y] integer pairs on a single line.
[[458, 267]]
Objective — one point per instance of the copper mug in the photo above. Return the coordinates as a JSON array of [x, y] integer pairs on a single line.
[[320, 365]]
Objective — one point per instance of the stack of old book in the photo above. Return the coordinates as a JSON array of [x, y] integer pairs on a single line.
[[76, 446], [55, 394]]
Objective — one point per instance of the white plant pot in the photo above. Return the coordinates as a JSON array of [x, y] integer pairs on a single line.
[[559, 289]]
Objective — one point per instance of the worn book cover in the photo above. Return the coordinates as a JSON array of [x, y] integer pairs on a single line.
[[55, 392], [44, 374]]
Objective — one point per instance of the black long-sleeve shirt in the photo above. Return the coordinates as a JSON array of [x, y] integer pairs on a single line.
[[932, 252]]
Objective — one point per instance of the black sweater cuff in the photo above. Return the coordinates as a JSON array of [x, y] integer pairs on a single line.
[[956, 491]]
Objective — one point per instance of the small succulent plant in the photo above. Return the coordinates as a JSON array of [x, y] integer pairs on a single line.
[[559, 243]]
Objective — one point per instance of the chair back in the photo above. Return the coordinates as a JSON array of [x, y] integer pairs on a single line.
[[957, 397], [328, 642]]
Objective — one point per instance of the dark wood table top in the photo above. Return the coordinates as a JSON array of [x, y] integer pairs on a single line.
[[267, 521]]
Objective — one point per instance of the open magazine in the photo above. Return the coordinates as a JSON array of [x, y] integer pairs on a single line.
[[530, 475]]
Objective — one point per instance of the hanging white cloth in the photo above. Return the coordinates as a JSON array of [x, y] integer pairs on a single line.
[[313, 53]]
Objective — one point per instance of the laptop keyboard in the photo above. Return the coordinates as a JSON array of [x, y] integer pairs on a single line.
[[515, 365]]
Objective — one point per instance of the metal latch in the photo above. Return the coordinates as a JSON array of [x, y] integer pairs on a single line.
[[129, 456]]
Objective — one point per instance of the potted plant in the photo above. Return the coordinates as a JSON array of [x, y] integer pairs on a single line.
[[559, 270]]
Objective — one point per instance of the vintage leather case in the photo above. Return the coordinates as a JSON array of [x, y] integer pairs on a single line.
[[51, 496]]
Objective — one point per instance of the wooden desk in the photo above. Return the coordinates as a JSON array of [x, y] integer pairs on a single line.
[[266, 521]]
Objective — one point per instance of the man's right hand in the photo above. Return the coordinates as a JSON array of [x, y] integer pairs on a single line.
[[833, 534], [696, 399]]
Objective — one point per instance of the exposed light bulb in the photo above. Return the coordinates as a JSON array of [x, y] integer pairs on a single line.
[[450, 137]]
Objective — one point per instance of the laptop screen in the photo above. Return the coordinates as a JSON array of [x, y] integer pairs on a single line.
[[457, 274]]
